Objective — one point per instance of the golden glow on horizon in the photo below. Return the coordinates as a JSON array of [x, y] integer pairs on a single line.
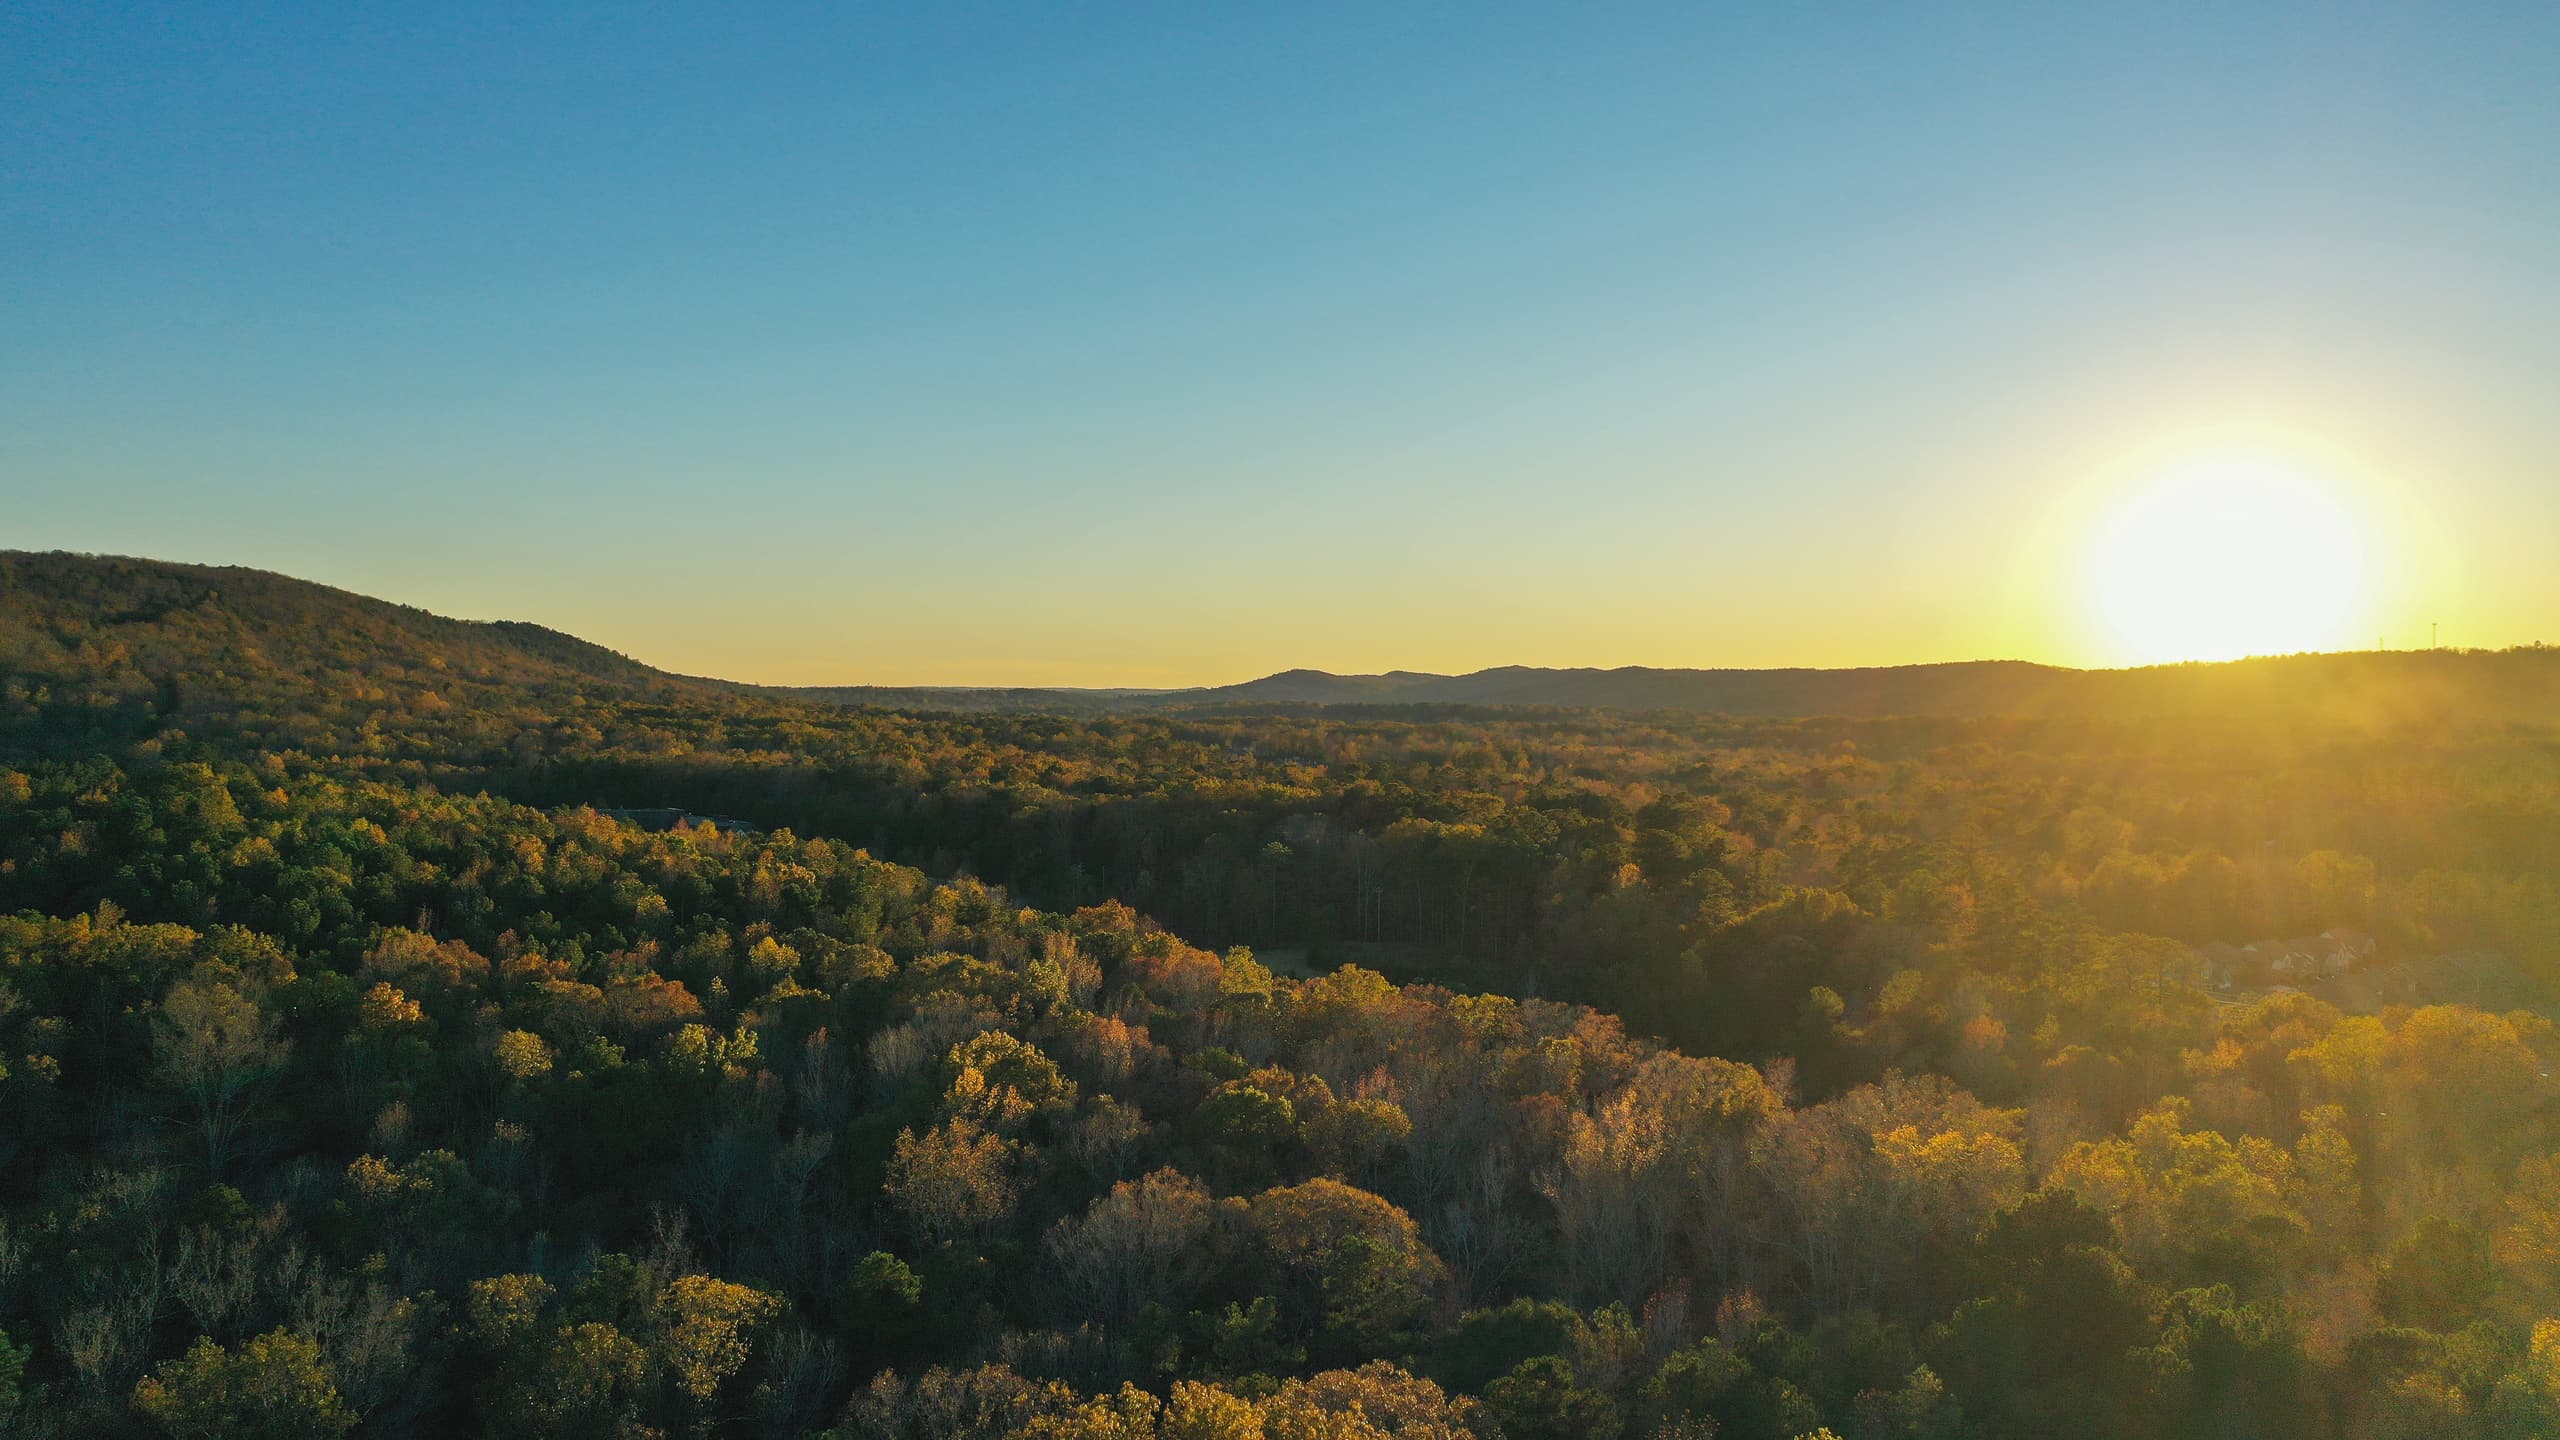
[[2224, 555]]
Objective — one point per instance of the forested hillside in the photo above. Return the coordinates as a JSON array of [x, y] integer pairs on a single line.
[[1749, 1077], [98, 649]]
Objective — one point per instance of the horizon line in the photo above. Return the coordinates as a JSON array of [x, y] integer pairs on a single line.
[[994, 687]]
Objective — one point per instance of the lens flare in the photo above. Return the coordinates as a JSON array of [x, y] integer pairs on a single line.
[[2228, 556]]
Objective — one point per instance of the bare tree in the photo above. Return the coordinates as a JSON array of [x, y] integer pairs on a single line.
[[1138, 1245]]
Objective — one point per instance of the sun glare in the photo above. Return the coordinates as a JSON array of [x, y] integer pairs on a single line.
[[2227, 556]]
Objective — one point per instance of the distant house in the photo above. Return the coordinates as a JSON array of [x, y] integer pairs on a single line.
[[2330, 953], [2482, 979], [666, 818], [2284, 964]]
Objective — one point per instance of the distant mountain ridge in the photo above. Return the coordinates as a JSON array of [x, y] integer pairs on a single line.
[[2380, 688], [1963, 685], [187, 635]]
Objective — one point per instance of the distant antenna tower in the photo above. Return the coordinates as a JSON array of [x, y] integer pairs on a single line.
[[2431, 635]]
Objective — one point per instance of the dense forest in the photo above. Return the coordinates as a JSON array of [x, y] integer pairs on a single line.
[[1246, 1070]]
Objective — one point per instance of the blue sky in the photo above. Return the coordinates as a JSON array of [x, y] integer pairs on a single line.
[[1159, 344]]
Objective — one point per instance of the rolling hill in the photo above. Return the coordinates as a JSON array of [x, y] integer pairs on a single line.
[[2363, 688], [93, 647]]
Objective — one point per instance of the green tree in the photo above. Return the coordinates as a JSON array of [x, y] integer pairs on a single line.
[[1539, 1400], [2228, 1371], [1487, 1344], [13, 1373], [2438, 1276], [1245, 1340], [2050, 1348], [1355, 1263], [1712, 1382]]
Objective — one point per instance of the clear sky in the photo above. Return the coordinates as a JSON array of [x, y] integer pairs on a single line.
[[1160, 344]]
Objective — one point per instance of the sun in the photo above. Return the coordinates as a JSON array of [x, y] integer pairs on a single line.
[[2221, 556]]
